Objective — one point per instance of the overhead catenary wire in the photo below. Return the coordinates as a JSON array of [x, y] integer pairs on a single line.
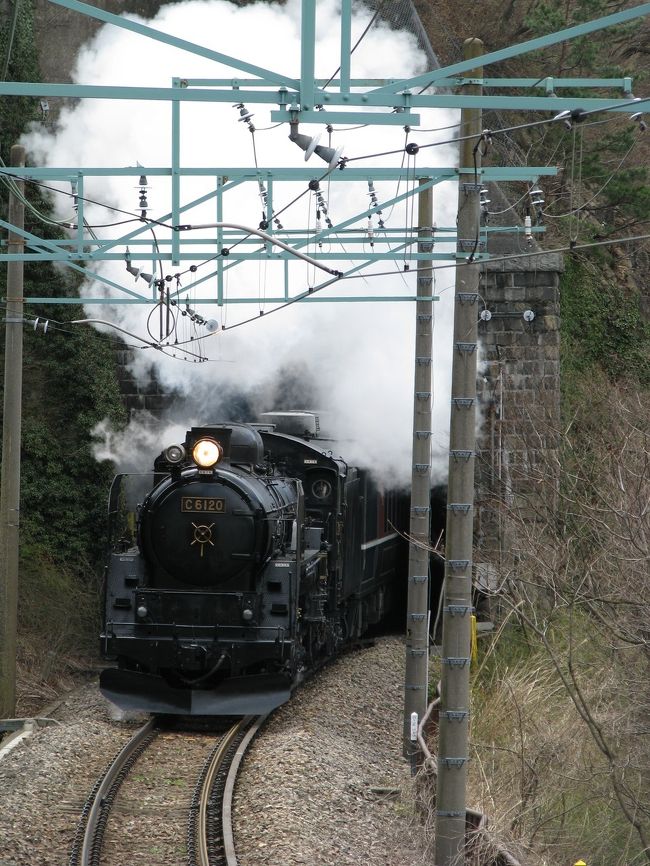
[[191, 227], [572, 248], [578, 115]]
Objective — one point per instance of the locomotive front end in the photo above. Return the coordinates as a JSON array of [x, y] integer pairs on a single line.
[[199, 613]]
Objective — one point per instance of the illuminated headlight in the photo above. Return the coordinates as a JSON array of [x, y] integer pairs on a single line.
[[206, 453], [142, 611], [247, 614], [174, 454]]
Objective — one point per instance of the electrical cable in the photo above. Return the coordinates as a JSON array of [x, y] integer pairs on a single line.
[[511, 257], [572, 185], [432, 269], [266, 128], [159, 346], [13, 189], [135, 218], [440, 128], [582, 114], [60, 326], [150, 221], [595, 195], [410, 219], [276, 214], [39, 183], [577, 114]]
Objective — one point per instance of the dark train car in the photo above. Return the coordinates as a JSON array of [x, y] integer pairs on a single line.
[[254, 554]]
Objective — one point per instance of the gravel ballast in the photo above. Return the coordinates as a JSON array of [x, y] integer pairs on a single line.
[[324, 783]]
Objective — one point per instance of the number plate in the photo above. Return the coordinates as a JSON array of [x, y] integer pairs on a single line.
[[203, 504]]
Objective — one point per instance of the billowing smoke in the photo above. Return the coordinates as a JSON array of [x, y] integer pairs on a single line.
[[353, 361]]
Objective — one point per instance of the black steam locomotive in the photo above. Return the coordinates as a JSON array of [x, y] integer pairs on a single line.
[[253, 555]]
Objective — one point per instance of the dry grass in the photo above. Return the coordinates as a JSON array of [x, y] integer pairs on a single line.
[[58, 625], [43, 674], [536, 770]]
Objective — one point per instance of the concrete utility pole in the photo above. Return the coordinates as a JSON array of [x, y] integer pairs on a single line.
[[417, 611], [457, 600], [10, 496]]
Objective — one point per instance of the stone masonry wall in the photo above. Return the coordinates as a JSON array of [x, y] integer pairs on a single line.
[[519, 397], [149, 396]]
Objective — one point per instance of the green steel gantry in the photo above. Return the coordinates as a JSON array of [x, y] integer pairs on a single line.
[[297, 100]]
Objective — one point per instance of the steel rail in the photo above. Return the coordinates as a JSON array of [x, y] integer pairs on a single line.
[[214, 765], [95, 813], [226, 809]]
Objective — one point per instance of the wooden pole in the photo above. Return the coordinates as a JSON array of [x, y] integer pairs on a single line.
[[10, 494]]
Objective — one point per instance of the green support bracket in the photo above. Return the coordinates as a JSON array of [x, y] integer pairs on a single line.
[[307, 47], [346, 44], [176, 172]]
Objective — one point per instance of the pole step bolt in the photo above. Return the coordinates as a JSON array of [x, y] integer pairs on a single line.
[[456, 715], [461, 454], [460, 609]]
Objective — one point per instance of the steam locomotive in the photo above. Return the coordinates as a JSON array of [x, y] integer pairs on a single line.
[[253, 555]]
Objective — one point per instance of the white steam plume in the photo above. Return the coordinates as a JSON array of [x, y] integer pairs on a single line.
[[358, 357]]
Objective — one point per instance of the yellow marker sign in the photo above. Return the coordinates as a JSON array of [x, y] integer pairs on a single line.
[[474, 651]]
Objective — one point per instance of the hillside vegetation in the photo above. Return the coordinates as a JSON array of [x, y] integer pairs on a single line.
[[69, 384]]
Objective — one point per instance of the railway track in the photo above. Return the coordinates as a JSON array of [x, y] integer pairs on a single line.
[[146, 789]]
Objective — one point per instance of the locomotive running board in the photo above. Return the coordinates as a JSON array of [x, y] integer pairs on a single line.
[[253, 695]]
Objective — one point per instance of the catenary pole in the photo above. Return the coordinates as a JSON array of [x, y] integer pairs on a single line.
[[10, 494], [454, 714], [417, 627]]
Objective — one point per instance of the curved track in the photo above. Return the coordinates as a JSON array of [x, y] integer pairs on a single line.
[[209, 831]]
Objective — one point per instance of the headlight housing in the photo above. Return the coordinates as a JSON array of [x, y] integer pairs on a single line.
[[206, 453], [174, 454]]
